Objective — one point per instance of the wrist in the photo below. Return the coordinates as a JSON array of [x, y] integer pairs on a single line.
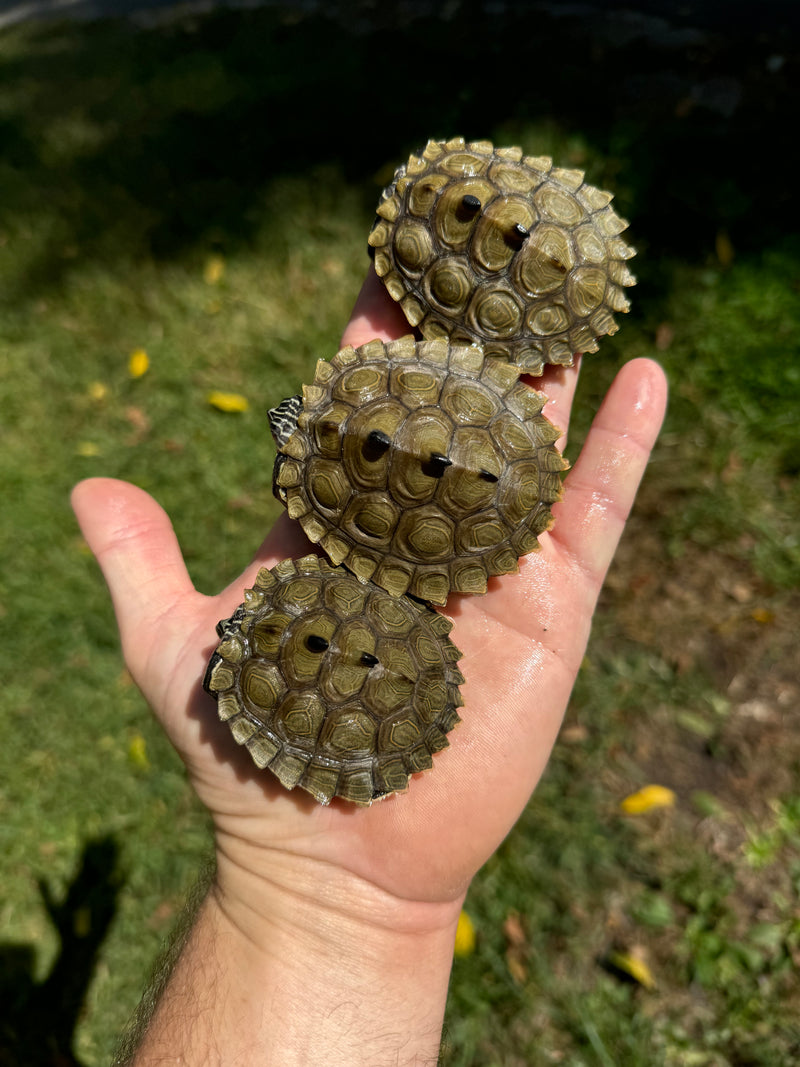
[[259, 888], [346, 974]]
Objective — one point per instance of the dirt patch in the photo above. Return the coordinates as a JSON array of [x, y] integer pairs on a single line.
[[708, 614]]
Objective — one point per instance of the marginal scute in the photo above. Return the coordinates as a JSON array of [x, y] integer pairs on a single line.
[[242, 729], [506, 274], [572, 179], [288, 768], [262, 748], [511, 179], [335, 547]]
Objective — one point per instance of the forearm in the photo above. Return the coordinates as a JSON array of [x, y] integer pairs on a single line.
[[294, 982]]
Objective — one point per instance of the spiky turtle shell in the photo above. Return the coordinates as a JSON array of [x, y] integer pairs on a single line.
[[420, 466], [485, 244], [336, 686]]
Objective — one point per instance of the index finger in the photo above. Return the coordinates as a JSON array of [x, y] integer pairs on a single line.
[[374, 315]]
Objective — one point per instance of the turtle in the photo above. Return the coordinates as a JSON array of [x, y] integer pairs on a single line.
[[335, 685], [421, 466], [478, 243]]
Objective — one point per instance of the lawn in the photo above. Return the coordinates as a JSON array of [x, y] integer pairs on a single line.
[[200, 191]]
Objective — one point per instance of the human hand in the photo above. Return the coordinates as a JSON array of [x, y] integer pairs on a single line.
[[522, 644]]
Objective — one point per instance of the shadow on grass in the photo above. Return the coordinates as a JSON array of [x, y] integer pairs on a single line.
[[38, 1026], [140, 142]]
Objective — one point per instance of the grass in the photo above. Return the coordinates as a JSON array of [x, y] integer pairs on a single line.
[[171, 190]]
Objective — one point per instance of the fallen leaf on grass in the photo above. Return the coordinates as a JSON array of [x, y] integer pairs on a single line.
[[633, 965], [213, 270], [465, 936], [137, 753], [516, 952], [651, 796], [512, 928], [574, 735], [228, 402], [138, 363]]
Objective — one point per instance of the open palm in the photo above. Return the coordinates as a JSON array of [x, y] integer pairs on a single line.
[[522, 644]]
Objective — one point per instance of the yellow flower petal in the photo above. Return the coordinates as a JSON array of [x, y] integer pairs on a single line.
[[97, 390], [213, 270], [651, 796], [137, 752], [465, 936], [228, 401], [138, 363], [633, 966]]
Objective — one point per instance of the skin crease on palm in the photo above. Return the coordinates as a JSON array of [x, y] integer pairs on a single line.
[[522, 644]]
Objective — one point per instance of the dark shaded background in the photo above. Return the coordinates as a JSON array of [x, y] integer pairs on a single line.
[[692, 109]]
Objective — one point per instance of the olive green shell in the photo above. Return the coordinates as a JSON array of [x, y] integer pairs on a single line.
[[461, 487], [534, 272], [333, 684]]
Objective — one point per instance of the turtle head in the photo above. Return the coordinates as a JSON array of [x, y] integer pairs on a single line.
[[282, 424], [283, 418]]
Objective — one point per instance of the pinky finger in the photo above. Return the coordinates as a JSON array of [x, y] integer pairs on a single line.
[[602, 485]]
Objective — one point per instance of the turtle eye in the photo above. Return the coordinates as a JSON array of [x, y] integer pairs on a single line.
[[376, 445], [368, 660], [436, 465], [316, 643]]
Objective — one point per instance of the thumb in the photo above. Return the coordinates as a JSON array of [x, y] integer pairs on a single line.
[[132, 539]]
